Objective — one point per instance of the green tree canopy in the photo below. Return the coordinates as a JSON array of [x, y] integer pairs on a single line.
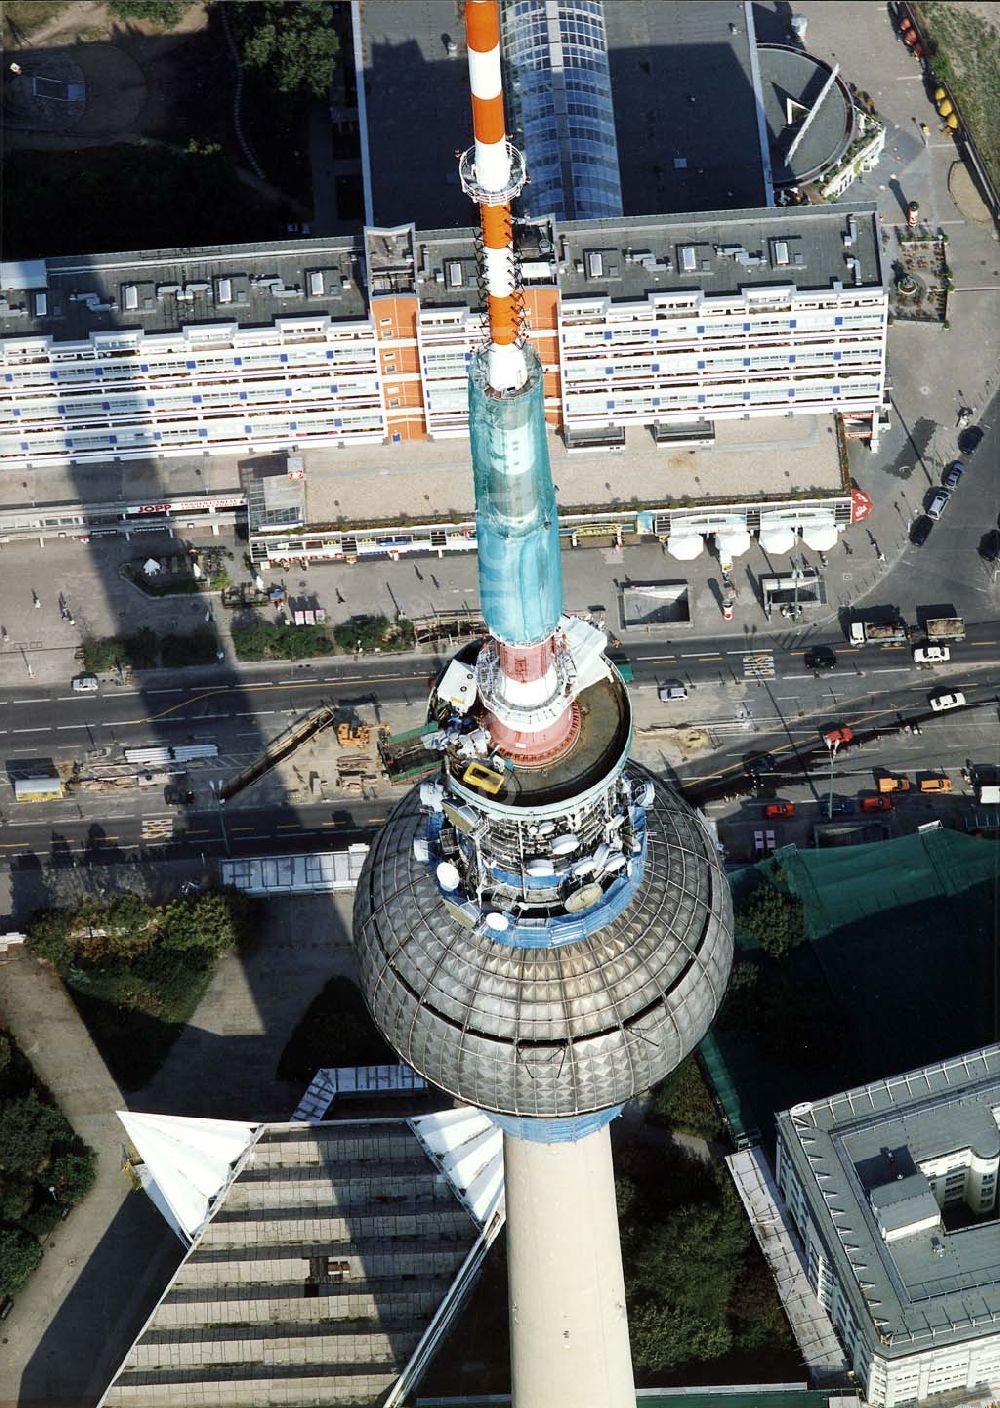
[[773, 918], [28, 1129], [165, 13], [19, 1255], [72, 1175], [293, 44], [682, 1101]]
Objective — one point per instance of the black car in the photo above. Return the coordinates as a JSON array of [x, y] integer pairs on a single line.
[[969, 440], [989, 546], [921, 531], [821, 657], [953, 474], [762, 763]]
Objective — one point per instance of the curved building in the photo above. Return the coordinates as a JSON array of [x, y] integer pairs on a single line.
[[556, 53]]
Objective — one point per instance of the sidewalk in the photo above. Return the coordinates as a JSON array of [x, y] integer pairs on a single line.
[[105, 1261]]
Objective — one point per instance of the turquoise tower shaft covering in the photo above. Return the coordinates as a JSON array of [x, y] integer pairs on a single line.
[[517, 527]]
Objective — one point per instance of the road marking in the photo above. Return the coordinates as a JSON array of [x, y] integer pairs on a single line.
[[640, 658], [694, 654], [288, 826], [890, 670], [31, 730], [151, 692], [40, 700], [61, 727], [200, 831]]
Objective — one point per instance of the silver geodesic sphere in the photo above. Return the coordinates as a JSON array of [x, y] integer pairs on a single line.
[[547, 1032]]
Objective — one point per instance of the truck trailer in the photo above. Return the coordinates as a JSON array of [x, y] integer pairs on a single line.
[[943, 628]]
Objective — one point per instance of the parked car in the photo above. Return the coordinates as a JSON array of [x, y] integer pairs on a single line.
[[821, 657], [936, 783], [673, 690], [891, 782], [839, 735], [952, 700], [969, 440], [839, 806], [779, 809], [953, 474], [876, 804], [762, 763], [989, 546], [939, 501], [931, 654], [85, 684], [921, 531]]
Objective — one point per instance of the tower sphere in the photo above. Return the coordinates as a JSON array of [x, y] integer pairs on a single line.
[[553, 1031]]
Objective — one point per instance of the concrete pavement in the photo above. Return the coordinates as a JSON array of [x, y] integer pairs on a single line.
[[56, 1336]]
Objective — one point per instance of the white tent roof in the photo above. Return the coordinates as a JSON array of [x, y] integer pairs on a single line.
[[189, 1160], [777, 539], [468, 1148], [733, 540], [821, 537], [685, 546]]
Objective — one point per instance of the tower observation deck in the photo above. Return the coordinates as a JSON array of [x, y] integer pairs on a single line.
[[544, 929]]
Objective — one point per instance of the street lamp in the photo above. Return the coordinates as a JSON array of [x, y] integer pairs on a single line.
[[833, 754]]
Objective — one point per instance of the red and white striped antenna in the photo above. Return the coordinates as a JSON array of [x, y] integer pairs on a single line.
[[492, 172]]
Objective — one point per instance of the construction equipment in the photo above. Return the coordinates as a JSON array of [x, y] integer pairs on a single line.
[[353, 735], [476, 775]]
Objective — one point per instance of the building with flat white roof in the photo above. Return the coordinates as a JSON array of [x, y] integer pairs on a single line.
[[892, 1190]]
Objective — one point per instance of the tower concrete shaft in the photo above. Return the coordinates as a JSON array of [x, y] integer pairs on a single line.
[[543, 930], [568, 1327]]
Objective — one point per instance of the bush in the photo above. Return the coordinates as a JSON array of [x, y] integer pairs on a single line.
[[19, 1255], [137, 971], [199, 647], [165, 13], [28, 1130], [773, 918], [73, 1175], [257, 639], [374, 633], [292, 44]]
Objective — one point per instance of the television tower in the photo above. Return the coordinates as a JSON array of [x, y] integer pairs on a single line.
[[544, 930]]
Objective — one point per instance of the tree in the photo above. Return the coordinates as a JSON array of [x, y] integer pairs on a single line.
[[130, 920], [19, 1255], [774, 919], [72, 1175], [165, 13], [682, 1101], [28, 1130], [293, 44], [49, 936]]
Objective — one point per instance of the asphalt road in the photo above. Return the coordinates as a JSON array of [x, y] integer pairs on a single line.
[[779, 707]]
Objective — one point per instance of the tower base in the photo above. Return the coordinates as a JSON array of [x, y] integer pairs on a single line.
[[568, 1324]]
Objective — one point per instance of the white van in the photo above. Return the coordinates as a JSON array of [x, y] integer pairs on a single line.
[[85, 684]]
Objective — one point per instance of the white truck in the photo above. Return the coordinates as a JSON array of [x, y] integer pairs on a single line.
[[943, 628]]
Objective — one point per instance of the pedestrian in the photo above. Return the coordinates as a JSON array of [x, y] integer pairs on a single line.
[[881, 557], [925, 132]]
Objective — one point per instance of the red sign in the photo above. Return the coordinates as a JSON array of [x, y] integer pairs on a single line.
[[861, 505]]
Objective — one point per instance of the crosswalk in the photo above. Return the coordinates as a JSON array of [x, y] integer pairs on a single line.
[[758, 665], [158, 829]]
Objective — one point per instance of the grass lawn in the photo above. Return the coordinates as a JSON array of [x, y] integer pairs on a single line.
[[966, 54], [22, 17]]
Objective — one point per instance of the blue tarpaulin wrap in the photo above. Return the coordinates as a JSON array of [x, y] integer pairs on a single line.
[[520, 575]]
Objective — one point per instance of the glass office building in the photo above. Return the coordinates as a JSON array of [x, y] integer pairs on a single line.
[[560, 91]]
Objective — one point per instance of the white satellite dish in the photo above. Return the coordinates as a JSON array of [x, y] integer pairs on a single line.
[[497, 922], [540, 867], [448, 876], [583, 898], [565, 845]]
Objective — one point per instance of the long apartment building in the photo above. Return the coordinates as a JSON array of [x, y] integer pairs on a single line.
[[672, 323], [892, 1192]]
